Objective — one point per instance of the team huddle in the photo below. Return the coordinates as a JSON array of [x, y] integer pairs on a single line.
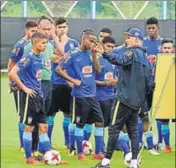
[[95, 84]]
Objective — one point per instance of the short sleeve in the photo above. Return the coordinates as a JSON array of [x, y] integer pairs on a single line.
[[24, 62], [67, 62], [16, 53]]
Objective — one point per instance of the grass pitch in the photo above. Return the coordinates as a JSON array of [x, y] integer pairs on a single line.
[[12, 158]]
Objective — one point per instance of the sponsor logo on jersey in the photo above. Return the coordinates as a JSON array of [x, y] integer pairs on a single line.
[[48, 64], [39, 75], [108, 76], [87, 71], [16, 51]]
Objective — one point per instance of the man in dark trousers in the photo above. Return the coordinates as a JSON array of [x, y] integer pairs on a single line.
[[132, 89]]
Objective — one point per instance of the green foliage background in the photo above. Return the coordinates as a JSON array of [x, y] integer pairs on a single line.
[[104, 9]]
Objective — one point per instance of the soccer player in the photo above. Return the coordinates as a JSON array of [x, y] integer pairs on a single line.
[[152, 44], [104, 32], [133, 86], [34, 114], [46, 27], [61, 92], [15, 56], [87, 109], [167, 48], [106, 82]]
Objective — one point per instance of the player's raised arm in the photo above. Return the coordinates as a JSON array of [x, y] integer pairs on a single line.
[[96, 63]]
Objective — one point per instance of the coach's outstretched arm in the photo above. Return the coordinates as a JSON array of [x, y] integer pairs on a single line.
[[123, 60]]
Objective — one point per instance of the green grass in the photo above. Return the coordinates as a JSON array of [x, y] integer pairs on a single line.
[[12, 158]]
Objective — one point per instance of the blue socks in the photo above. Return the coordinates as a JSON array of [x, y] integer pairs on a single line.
[[160, 137], [21, 127], [98, 140], [50, 122], [44, 144], [140, 130], [79, 139], [166, 134], [124, 141], [66, 122], [27, 142], [149, 139], [72, 128], [87, 131]]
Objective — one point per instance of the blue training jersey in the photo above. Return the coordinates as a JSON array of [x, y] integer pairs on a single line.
[[81, 64], [57, 79], [16, 55], [18, 50], [153, 47], [108, 72], [31, 67]]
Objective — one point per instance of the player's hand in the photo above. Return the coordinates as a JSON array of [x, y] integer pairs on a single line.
[[30, 92], [77, 82], [114, 82], [53, 33], [70, 84], [152, 58], [109, 83]]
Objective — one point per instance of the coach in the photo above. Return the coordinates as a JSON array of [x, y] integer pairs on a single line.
[[133, 86]]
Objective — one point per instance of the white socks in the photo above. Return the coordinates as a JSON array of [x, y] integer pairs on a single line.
[[105, 162]]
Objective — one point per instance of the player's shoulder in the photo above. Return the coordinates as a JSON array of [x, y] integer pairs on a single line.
[[146, 38], [19, 43], [73, 40]]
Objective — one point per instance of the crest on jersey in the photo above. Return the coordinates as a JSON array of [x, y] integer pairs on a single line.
[[108, 76], [39, 75], [128, 53], [24, 60], [16, 51]]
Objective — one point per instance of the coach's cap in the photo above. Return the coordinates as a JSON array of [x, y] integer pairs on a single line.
[[136, 33]]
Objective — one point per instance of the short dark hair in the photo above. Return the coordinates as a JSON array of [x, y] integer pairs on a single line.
[[108, 39], [152, 20], [167, 40], [44, 17], [60, 20], [106, 30], [88, 32], [30, 24], [39, 36]]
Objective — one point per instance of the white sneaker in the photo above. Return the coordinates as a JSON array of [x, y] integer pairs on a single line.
[[153, 152], [133, 164], [127, 159]]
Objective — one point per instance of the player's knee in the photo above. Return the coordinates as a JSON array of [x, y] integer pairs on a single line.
[[28, 128], [67, 115], [124, 129], [146, 126], [43, 128], [165, 122], [99, 124]]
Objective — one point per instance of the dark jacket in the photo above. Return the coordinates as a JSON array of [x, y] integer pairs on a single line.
[[135, 81]]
